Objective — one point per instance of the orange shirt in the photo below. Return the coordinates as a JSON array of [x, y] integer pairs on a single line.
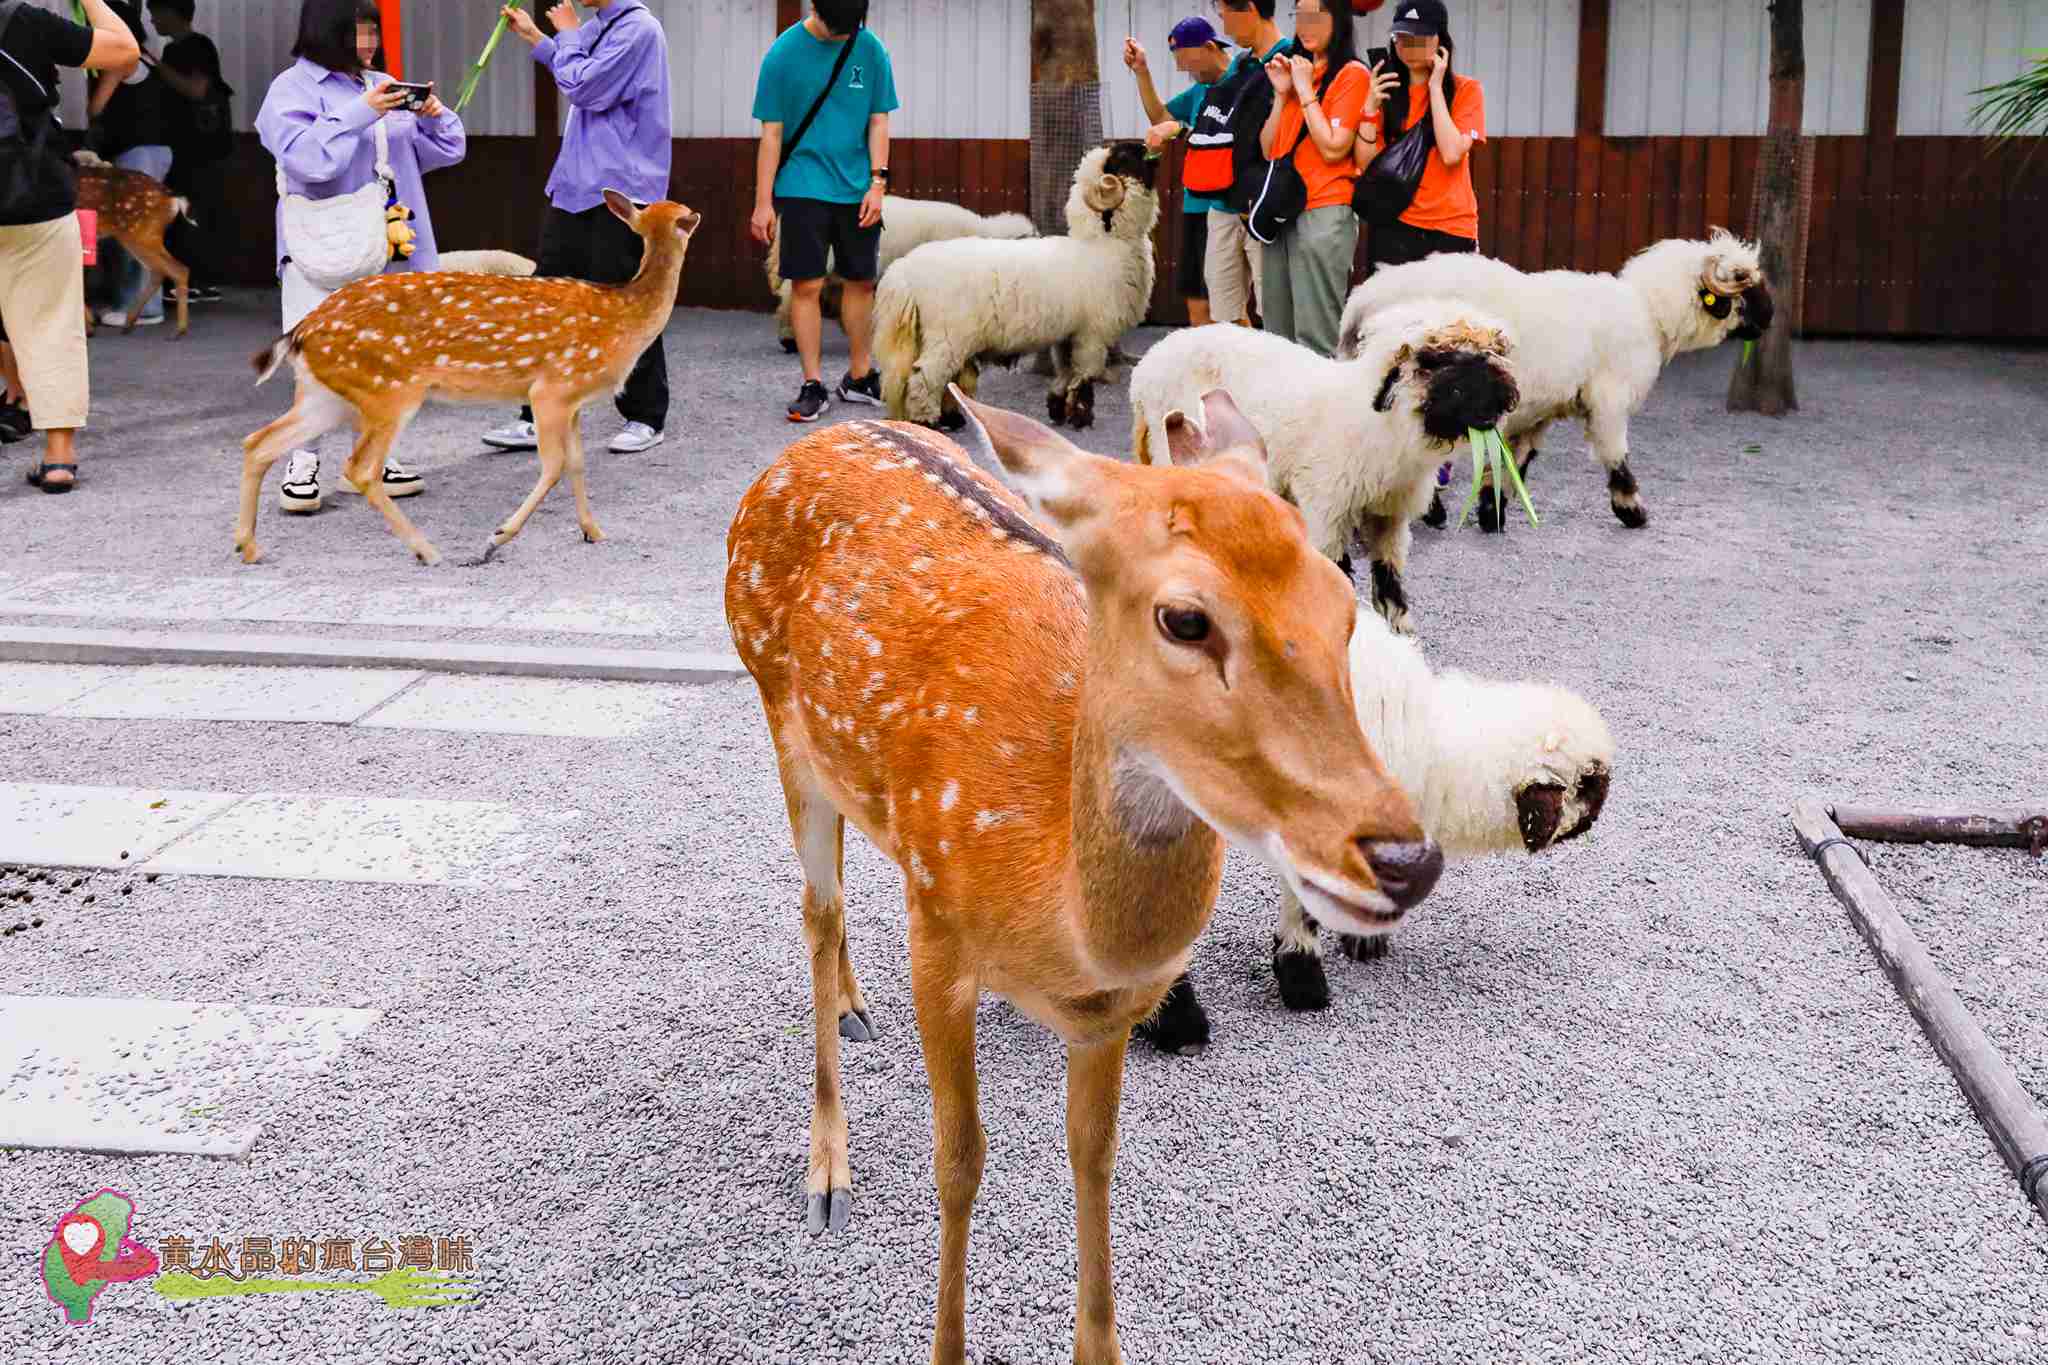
[[1444, 201], [1343, 104]]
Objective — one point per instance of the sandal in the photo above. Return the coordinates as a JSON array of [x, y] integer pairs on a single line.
[[35, 476]]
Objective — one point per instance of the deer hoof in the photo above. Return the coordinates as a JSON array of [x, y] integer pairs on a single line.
[[1303, 986], [251, 552], [592, 536], [831, 1211], [856, 1027], [1361, 948], [428, 555]]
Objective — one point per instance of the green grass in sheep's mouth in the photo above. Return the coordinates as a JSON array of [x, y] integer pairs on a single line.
[[1490, 451]]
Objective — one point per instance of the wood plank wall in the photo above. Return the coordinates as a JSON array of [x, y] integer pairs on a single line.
[[1911, 236]]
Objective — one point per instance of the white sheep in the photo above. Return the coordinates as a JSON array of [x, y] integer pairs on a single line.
[[1355, 444], [947, 307], [1491, 767], [1589, 345], [487, 262], [907, 224]]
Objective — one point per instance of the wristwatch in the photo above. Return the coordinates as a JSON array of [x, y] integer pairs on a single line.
[[881, 173]]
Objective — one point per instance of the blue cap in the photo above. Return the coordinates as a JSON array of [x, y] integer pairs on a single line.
[[1193, 31]]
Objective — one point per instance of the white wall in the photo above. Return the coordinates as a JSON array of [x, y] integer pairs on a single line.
[[1953, 49], [1701, 67], [962, 69], [442, 39], [1524, 52]]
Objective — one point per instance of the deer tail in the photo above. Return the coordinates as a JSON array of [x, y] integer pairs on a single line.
[[267, 360], [183, 208]]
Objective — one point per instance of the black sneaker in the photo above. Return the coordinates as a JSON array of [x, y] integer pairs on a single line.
[[203, 293], [811, 402], [867, 389], [14, 423]]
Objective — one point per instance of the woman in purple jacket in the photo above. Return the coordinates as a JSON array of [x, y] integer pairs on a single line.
[[319, 121]]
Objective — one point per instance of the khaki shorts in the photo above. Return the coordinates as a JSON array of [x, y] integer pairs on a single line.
[[42, 300], [1231, 266]]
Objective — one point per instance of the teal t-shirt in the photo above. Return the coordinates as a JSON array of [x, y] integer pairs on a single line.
[[1183, 107], [831, 163]]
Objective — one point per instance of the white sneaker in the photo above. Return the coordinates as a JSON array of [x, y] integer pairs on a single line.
[[300, 491], [118, 317], [636, 437], [399, 482], [513, 436]]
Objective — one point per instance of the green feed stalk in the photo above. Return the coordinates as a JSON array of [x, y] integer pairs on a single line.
[[1748, 353], [1490, 454], [476, 73]]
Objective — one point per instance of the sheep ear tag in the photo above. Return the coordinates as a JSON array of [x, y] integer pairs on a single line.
[[1717, 305]]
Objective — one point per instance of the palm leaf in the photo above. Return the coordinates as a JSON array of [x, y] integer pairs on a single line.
[[2015, 108]]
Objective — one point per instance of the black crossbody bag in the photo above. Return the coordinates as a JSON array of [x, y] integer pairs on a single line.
[[35, 175], [789, 147]]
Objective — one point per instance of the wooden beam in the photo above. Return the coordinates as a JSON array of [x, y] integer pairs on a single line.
[[1887, 43], [394, 37], [1592, 120], [1983, 829]]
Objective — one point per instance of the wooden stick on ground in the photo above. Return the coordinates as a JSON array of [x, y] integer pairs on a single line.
[[2003, 1105], [1997, 829]]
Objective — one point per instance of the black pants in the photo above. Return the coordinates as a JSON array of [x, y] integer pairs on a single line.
[[1399, 244], [594, 245], [198, 243]]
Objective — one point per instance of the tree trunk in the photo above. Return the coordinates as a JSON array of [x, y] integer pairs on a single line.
[[1066, 103], [1763, 383]]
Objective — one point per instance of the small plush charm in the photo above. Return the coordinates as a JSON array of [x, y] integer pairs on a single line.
[[398, 233]]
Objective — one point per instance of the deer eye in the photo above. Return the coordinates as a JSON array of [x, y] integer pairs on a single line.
[[1185, 625]]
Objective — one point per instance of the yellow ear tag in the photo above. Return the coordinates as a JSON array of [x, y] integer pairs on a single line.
[[1707, 297]]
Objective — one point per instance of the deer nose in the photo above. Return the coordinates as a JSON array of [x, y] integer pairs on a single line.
[[1406, 872]]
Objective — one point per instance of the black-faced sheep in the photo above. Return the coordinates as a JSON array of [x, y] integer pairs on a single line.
[[947, 307], [1589, 346]]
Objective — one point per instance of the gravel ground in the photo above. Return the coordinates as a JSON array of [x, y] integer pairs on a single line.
[[1646, 1098]]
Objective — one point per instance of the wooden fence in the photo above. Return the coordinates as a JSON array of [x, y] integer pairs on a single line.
[[1910, 236]]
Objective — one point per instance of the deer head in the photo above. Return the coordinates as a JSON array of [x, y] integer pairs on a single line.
[[1218, 678]]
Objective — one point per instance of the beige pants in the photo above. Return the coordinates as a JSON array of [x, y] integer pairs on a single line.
[[1231, 268], [42, 303]]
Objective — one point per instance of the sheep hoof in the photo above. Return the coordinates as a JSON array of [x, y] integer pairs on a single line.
[[1179, 1026], [1592, 796], [1490, 518], [952, 421], [789, 345], [1631, 514], [1437, 517], [1299, 972], [1344, 563], [1539, 808], [1362, 948], [1056, 407], [1081, 411]]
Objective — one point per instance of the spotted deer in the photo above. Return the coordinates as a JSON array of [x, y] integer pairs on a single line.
[[373, 351], [1051, 727], [136, 211]]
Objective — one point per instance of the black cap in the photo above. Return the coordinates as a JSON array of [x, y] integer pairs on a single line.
[[1423, 18]]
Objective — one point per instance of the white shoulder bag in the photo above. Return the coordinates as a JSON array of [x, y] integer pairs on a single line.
[[336, 241]]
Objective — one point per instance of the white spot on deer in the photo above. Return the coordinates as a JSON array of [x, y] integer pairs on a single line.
[[780, 481], [440, 360], [920, 564], [939, 713], [945, 845], [986, 820], [930, 524], [971, 716], [949, 795], [873, 685], [595, 353], [390, 307], [915, 794], [888, 709], [826, 649], [999, 533], [1006, 749], [867, 744], [917, 870]]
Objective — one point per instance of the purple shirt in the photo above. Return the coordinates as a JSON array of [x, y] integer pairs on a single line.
[[613, 70], [324, 137]]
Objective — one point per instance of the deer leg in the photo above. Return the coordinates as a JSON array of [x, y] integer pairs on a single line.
[[163, 266], [1095, 1083], [591, 533], [1298, 957], [820, 833], [945, 996], [314, 412], [856, 1025], [365, 470], [551, 419]]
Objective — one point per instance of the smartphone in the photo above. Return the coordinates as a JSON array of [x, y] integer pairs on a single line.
[[415, 95], [1378, 57]]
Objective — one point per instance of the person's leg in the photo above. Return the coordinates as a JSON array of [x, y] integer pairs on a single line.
[[564, 255], [1276, 282], [1255, 255], [42, 298], [805, 238], [857, 257], [616, 252], [197, 240], [1224, 272], [1192, 270], [1328, 242], [298, 490]]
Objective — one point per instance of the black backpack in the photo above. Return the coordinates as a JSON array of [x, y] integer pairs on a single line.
[[1253, 100], [37, 182]]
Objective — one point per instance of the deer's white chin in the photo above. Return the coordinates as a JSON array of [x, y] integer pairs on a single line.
[[1335, 903]]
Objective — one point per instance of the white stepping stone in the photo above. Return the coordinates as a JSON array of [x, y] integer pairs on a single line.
[[363, 839], [129, 1076], [454, 608], [54, 825], [224, 692], [38, 689], [597, 616], [130, 597], [524, 706]]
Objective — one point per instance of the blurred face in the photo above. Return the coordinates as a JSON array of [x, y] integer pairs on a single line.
[[1204, 63], [1417, 54], [1313, 26], [367, 38], [1240, 24]]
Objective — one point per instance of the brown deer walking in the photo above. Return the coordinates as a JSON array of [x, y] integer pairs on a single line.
[[137, 211], [373, 351], [1051, 738]]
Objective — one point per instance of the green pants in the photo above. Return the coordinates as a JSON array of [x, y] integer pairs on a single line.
[[1304, 275]]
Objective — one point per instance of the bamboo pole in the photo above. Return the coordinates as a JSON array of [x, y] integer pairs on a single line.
[[1995, 829], [2001, 1103]]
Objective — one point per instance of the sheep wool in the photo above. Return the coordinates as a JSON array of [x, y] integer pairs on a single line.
[[1591, 345], [947, 307]]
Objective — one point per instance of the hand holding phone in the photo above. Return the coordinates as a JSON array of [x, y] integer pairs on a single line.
[[415, 96]]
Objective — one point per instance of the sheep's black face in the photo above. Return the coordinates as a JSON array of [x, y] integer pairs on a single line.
[[1462, 390], [1757, 311], [1127, 159]]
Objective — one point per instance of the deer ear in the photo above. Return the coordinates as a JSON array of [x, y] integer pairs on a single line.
[[1235, 446], [621, 207], [1055, 476]]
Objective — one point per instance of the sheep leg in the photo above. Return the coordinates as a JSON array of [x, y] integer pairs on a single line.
[[1386, 541], [1056, 396], [1298, 958], [1090, 361], [1609, 431], [785, 329], [1180, 1025]]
